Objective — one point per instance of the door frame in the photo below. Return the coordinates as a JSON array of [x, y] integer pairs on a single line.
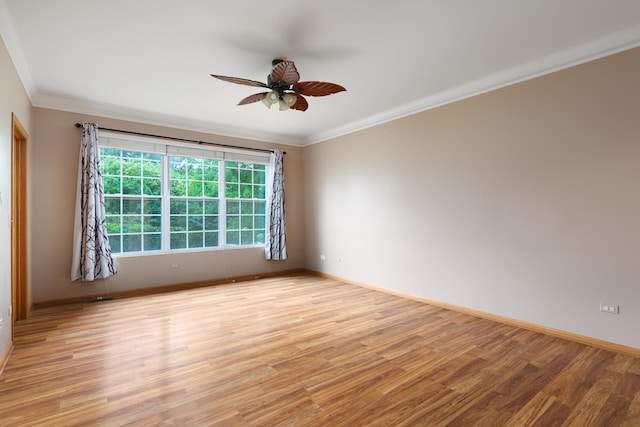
[[19, 271]]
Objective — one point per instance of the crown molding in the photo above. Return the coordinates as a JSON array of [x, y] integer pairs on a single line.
[[158, 119], [614, 43]]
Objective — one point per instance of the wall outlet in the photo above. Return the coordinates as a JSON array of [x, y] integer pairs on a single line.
[[322, 257], [612, 309], [1, 322], [174, 265]]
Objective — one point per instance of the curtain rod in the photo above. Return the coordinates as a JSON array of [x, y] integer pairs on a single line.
[[79, 125]]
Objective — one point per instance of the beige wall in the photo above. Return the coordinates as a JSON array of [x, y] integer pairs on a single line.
[[523, 202], [55, 162], [13, 99]]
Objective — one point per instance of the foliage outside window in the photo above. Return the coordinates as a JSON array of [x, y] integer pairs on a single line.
[[159, 202]]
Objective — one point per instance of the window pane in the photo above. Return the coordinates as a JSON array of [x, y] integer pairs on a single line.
[[195, 223], [211, 206], [178, 188], [211, 239], [152, 242], [152, 206], [113, 224], [151, 169], [259, 222], [246, 191], [194, 170], [131, 243], [211, 222], [233, 222], [178, 206], [195, 206], [246, 237], [152, 186], [178, 240], [132, 224], [131, 206], [195, 189], [178, 223], [211, 172], [197, 179], [232, 191], [246, 176], [177, 170], [152, 223], [246, 207], [131, 167], [131, 186], [245, 215], [231, 172], [258, 176], [112, 205], [246, 222], [196, 240], [110, 165], [233, 207], [211, 189], [111, 185], [132, 173], [114, 242], [233, 237]]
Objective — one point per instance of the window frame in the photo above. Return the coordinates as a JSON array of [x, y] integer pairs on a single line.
[[171, 148]]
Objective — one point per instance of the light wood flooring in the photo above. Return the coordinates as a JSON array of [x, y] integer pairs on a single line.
[[302, 351]]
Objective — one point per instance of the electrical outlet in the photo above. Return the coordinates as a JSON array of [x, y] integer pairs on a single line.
[[322, 257], [174, 266], [1, 322], [612, 309]]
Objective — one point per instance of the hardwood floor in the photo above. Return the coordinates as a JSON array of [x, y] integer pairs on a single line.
[[302, 351]]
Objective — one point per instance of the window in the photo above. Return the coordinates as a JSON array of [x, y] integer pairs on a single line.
[[172, 197], [245, 191], [194, 203]]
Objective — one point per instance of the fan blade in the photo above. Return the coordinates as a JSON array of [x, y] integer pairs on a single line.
[[253, 98], [285, 71], [300, 104], [239, 80], [317, 88]]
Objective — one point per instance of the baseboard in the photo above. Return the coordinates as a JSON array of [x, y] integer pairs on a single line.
[[5, 358], [497, 318], [165, 288]]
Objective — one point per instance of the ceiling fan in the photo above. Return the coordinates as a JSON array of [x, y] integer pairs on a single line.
[[286, 89]]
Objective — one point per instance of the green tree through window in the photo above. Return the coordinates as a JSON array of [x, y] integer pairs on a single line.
[[143, 216]]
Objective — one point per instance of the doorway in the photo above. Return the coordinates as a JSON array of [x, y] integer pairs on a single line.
[[19, 282]]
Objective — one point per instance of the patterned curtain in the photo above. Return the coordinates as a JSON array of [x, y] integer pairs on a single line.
[[276, 241], [91, 250]]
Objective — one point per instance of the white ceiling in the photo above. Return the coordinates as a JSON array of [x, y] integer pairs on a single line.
[[149, 60]]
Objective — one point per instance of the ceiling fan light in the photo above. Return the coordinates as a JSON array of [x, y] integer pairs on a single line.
[[271, 98], [286, 101]]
